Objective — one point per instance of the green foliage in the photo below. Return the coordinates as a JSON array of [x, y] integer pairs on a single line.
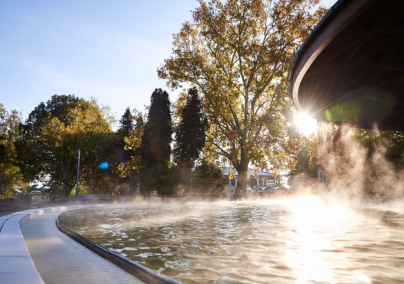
[[391, 141], [125, 126], [155, 146], [133, 142], [124, 130], [238, 53], [306, 159], [395, 152], [82, 190], [53, 134], [190, 136], [121, 155], [207, 170], [10, 176], [207, 179], [130, 164], [31, 145], [303, 162]]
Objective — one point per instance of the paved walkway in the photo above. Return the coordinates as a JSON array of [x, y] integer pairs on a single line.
[[16, 265], [60, 260]]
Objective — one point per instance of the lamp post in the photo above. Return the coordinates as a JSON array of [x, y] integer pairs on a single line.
[[77, 179]]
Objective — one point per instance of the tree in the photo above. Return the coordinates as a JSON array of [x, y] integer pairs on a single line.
[[155, 149], [129, 169], [382, 157], [395, 152], [125, 123], [238, 53], [207, 179], [306, 159], [125, 127], [132, 145], [53, 134], [10, 176], [392, 143], [190, 136], [125, 179]]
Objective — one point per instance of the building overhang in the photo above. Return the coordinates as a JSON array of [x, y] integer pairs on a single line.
[[351, 67]]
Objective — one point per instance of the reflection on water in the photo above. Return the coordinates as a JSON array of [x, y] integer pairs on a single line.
[[301, 240]]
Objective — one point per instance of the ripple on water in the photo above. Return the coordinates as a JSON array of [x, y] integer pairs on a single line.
[[180, 262], [106, 226], [272, 242], [145, 254]]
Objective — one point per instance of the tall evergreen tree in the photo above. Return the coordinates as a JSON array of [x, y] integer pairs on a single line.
[[125, 123], [129, 170], [191, 134], [125, 127], [155, 147]]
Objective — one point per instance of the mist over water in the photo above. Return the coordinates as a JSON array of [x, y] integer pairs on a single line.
[[354, 172], [348, 231], [304, 239]]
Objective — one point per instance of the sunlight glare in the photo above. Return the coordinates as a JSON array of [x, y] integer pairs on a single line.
[[305, 123], [313, 225]]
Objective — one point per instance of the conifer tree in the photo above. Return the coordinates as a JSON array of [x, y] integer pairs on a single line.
[[155, 147], [125, 123], [130, 163], [125, 127], [190, 137]]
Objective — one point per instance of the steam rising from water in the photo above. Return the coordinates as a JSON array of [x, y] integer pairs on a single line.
[[302, 239], [355, 173], [338, 235]]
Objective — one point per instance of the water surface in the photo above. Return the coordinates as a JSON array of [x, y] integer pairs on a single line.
[[300, 240]]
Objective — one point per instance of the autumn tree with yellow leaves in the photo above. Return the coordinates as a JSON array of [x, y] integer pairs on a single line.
[[238, 52], [52, 135], [10, 175]]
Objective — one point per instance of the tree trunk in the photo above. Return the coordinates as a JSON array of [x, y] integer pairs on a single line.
[[242, 172], [241, 185], [67, 188]]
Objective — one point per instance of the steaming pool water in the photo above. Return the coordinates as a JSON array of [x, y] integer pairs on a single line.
[[299, 240]]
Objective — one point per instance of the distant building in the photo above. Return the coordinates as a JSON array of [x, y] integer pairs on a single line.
[[257, 181]]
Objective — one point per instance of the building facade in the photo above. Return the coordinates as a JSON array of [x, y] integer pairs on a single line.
[[257, 181]]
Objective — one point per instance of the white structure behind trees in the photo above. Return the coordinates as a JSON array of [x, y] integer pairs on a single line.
[[257, 181]]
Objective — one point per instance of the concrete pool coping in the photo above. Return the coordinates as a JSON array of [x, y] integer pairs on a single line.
[[17, 265], [137, 270]]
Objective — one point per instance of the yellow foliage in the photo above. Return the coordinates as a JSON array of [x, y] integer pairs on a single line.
[[232, 175], [238, 54], [133, 142]]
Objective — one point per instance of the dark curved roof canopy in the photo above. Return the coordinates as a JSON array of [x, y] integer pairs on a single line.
[[351, 68]]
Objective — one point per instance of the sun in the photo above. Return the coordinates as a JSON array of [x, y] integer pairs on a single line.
[[305, 123]]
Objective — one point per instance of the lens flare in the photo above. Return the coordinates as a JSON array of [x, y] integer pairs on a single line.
[[344, 111], [103, 166]]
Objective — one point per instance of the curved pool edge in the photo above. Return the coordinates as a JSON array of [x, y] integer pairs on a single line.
[[16, 264], [142, 273]]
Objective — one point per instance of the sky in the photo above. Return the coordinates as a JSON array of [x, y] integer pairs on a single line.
[[108, 50]]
